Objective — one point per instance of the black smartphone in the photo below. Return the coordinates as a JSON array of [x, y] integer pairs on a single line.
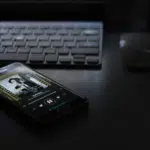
[[36, 95]]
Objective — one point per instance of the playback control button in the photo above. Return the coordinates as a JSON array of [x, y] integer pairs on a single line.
[[49, 101]]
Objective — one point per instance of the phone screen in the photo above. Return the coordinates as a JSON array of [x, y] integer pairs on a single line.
[[22, 85]]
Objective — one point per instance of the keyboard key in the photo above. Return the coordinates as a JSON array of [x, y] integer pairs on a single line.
[[57, 44], [69, 26], [15, 32], [86, 51], [63, 51], [70, 44], [36, 58], [93, 38], [44, 27], [13, 57], [92, 60], [3, 31], [6, 37], [36, 50], [38, 32], [23, 50], [90, 32], [8, 27], [57, 26], [68, 38], [43, 37], [2, 50], [79, 56], [81, 38], [32, 44], [50, 31], [55, 38], [76, 32], [88, 44], [11, 50], [65, 59], [79, 59], [63, 32], [51, 58], [6, 43], [20, 27], [82, 26], [19, 38], [95, 26], [50, 50], [19, 43], [27, 32], [31, 38], [32, 27], [22, 57], [44, 44]]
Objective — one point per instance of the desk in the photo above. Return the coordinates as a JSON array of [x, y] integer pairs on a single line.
[[117, 101]]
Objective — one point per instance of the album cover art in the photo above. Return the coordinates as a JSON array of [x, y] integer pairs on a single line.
[[22, 84]]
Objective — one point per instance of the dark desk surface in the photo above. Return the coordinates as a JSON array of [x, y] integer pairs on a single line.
[[118, 113]]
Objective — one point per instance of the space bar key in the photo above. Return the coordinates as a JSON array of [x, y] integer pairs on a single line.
[[91, 51], [13, 57]]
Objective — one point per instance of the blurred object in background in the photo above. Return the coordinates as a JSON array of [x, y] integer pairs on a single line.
[[127, 15]]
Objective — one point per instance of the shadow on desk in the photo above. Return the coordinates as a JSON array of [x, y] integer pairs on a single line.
[[43, 129]]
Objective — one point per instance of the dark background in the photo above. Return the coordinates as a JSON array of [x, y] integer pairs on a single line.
[[118, 100], [124, 15]]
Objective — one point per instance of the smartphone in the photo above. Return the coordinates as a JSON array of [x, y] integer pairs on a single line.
[[36, 95]]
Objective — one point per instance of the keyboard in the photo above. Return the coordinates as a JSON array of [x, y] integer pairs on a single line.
[[51, 43]]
